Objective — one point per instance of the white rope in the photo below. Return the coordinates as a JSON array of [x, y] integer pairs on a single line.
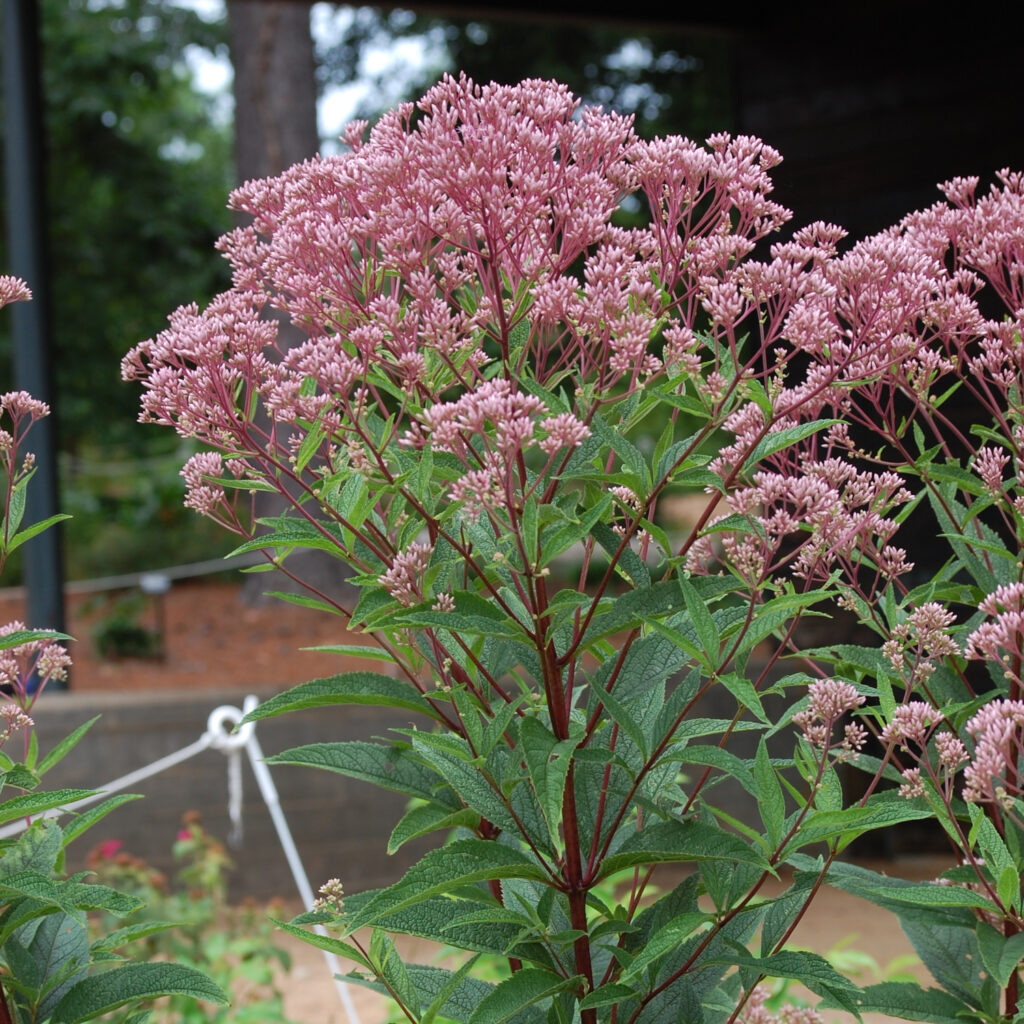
[[226, 733], [203, 743], [245, 735]]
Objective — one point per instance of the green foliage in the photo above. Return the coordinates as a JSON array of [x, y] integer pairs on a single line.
[[234, 946], [49, 968], [50, 971]]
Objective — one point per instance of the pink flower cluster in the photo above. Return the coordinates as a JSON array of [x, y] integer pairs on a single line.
[[827, 701], [924, 638], [837, 512], [13, 719], [43, 659], [488, 429], [911, 728], [13, 289], [404, 580], [1002, 638], [449, 240], [994, 774], [756, 1012]]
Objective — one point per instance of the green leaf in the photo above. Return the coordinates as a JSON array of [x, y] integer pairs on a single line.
[[907, 1001], [426, 818], [36, 528], [547, 760], [679, 841], [383, 765], [27, 636], [771, 802], [441, 871], [390, 968], [451, 760], [60, 945], [631, 456], [447, 990], [888, 891], [302, 601], [325, 942], [36, 849], [633, 609], [84, 820], [65, 746], [473, 614], [367, 688], [779, 439], [563, 538], [67, 895], [607, 995], [629, 562], [998, 859], [670, 936], [809, 969], [35, 803], [1002, 954], [110, 941], [16, 506], [288, 532], [716, 757], [101, 993], [368, 651], [436, 984], [746, 696], [962, 534], [949, 951], [883, 810], [515, 994], [703, 623]]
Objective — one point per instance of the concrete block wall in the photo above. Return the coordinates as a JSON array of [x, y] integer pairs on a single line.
[[340, 825]]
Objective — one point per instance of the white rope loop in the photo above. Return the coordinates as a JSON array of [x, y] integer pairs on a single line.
[[227, 734]]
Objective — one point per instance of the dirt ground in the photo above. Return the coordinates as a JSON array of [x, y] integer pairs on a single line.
[[211, 639]]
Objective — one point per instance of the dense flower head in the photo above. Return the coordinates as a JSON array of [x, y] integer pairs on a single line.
[[1003, 636], [42, 659], [12, 719], [404, 579], [841, 515], [924, 638], [755, 1011], [13, 289], [202, 495], [450, 237], [827, 701], [994, 771]]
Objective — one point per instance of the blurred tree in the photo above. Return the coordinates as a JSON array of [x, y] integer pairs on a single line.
[[275, 127], [275, 86], [138, 173], [671, 78]]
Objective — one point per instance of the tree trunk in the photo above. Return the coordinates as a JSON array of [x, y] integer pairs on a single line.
[[275, 127], [275, 86]]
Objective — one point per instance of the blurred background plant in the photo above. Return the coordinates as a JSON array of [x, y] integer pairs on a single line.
[[235, 945]]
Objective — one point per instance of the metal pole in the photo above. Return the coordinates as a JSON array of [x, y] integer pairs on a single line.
[[24, 171]]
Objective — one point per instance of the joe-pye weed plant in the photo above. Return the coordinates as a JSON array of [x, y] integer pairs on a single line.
[[524, 328], [51, 970]]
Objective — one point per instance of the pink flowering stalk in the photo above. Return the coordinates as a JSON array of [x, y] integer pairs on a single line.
[[48, 971], [495, 387], [29, 658]]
